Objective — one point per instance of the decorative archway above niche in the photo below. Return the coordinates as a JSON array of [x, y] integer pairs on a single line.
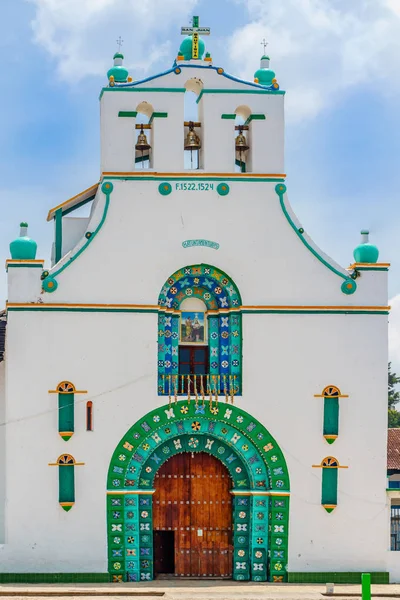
[[224, 324]]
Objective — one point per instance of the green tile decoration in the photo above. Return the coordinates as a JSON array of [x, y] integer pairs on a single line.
[[260, 485]]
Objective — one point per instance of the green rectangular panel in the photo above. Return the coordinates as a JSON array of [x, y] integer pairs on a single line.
[[331, 416], [329, 486], [66, 483], [337, 577], [65, 412]]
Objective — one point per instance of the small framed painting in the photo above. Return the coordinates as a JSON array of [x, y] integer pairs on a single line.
[[193, 329]]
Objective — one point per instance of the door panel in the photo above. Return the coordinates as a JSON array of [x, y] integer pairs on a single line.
[[193, 500], [164, 552]]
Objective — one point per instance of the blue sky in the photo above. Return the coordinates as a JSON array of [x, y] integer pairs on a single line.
[[338, 63]]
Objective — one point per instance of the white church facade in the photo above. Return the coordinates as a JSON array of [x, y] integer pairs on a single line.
[[193, 388]]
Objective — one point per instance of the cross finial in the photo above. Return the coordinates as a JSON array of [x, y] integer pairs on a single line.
[[264, 43], [120, 41], [195, 30]]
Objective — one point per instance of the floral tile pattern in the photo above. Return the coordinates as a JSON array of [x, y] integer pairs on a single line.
[[256, 466]]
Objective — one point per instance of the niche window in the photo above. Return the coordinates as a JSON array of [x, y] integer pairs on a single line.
[[89, 416], [143, 137], [66, 480], [192, 125], [66, 408], [242, 139]]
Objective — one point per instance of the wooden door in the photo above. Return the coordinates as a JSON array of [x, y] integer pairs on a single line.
[[193, 500], [194, 366]]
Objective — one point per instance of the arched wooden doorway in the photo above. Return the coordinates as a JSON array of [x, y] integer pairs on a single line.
[[192, 516]]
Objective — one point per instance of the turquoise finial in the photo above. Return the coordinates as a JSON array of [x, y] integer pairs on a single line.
[[118, 71], [187, 45], [23, 248], [365, 252], [264, 75]]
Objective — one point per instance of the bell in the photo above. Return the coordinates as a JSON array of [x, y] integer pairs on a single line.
[[241, 142], [142, 144], [192, 141]]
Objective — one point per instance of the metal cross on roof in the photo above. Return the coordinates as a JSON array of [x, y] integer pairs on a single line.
[[264, 43], [120, 41], [195, 30]]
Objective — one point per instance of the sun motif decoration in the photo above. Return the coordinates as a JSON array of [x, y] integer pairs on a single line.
[[65, 387], [65, 459], [330, 461], [331, 391]]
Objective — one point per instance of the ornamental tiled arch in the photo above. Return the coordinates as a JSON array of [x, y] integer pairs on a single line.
[[260, 487], [222, 298]]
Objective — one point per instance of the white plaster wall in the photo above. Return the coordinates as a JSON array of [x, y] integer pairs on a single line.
[[118, 134], [140, 246], [287, 359], [73, 229], [393, 566], [24, 284]]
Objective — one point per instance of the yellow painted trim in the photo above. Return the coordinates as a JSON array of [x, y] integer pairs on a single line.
[[59, 305], [218, 311], [330, 436], [18, 261], [61, 433], [123, 492], [70, 200], [322, 467], [322, 396], [62, 393], [74, 465], [66, 503], [329, 505], [292, 307], [201, 174], [383, 265]]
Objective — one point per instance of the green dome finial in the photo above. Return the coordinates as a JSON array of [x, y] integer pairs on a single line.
[[366, 252], [186, 48], [118, 71], [264, 75], [23, 248]]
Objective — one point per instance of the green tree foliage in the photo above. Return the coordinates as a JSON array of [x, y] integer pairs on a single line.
[[393, 399]]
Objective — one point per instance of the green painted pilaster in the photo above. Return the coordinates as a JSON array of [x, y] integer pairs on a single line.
[[329, 488], [213, 344], [259, 533], [331, 419], [145, 520], [241, 537], [118, 543], [66, 486], [279, 536], [66, 416], [58, 240]]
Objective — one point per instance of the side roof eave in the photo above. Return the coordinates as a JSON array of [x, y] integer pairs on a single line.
[[74, 202]]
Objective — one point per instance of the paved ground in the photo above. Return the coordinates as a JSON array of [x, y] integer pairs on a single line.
[[193, 590]]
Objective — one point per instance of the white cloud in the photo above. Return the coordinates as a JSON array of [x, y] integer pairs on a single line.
[[321, 50], [394, 333], [80, 34]]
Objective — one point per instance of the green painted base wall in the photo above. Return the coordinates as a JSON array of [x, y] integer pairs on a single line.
[[338, 577], [55, 578], [355, 577]]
